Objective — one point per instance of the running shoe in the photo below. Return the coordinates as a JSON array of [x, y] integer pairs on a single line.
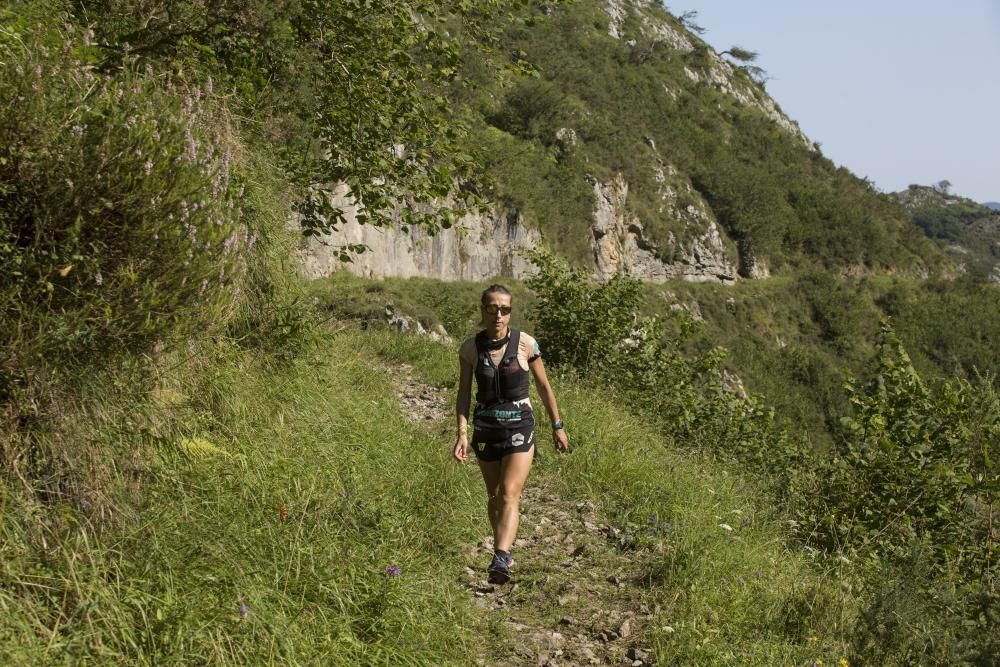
[[499, 570]]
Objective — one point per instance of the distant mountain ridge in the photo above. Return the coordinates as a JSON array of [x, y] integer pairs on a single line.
[[967, 231], [995, 205]]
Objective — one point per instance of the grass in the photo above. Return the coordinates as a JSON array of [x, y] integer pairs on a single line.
[[202, 457], [289, 482], [743, 596], [739, 596], [324, 439]]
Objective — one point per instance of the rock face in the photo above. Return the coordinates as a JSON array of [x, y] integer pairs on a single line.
[[489, 245], [619, 244], [480, 246]]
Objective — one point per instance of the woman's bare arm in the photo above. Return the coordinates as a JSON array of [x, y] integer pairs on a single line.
[[559, 437], [462, 404]]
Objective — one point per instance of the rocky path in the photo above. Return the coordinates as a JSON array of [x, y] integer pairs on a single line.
[[421, 402], [577, 596]]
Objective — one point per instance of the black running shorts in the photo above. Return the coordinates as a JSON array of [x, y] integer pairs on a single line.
[[515, 442]]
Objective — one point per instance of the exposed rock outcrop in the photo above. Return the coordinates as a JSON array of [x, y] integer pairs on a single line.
[[617, 11], [406, 324], [619, 244], [750, 266], [480, 246]]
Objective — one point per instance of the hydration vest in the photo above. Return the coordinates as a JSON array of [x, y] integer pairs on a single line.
[[502, 406]]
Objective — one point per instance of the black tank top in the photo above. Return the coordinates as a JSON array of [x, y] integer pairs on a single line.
[[502, 405]]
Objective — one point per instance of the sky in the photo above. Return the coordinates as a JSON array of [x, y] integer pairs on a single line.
[[897, 91]]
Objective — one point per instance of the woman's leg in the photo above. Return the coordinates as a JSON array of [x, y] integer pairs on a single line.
[[513, 473], [491, 476]]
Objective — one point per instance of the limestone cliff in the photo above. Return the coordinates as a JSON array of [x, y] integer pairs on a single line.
[[483, 246], [480, 246], [619, 244]]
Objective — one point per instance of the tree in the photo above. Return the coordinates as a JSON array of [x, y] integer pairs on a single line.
[[348, 91], [942, 187], [741, 54], [689, 20], [747, 57]]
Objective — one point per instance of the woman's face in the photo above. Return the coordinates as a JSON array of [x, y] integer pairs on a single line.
[[496, 314]]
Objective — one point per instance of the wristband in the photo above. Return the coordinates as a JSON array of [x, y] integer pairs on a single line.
[[557, 425]]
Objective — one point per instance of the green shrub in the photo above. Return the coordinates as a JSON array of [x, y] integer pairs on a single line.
[[912, 478], [121, 207], [594, 330], [582, 324], [903, 472]]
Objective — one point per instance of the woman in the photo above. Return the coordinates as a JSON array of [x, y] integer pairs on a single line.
[[503, 423]]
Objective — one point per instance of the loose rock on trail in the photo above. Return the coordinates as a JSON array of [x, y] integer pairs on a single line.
[[576, 597]]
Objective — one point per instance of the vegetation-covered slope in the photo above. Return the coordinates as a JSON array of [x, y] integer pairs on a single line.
[[684, 127], [195, 468], [967, 231]]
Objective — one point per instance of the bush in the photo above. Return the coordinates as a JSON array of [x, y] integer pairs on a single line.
[[594, 330], [121, 207], [908, 494], [582, 324]]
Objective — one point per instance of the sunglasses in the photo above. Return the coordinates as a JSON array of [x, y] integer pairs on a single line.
[[492, 308]]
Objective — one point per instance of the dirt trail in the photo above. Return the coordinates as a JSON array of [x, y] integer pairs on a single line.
[[578, 595]]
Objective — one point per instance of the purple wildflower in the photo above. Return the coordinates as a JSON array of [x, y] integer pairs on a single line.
[[98, 279], [244, 610], [190, 146], [393, 571]]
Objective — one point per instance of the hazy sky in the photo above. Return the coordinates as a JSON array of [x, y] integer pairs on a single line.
[[900, 91]]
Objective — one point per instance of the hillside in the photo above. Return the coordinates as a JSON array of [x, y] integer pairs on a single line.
[[634, 146], [967, 231], [207, 459]]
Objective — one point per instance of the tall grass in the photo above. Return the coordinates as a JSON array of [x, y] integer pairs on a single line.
[[730, 584], [258, 512], [253, 510]]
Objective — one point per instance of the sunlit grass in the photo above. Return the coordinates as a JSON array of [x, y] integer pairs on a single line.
[[363, 490]]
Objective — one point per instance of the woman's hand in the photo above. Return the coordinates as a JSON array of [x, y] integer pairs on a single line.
[[560, 440], [461, 451]]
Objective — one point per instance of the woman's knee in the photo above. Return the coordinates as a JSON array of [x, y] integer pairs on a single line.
[[510, 494]]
